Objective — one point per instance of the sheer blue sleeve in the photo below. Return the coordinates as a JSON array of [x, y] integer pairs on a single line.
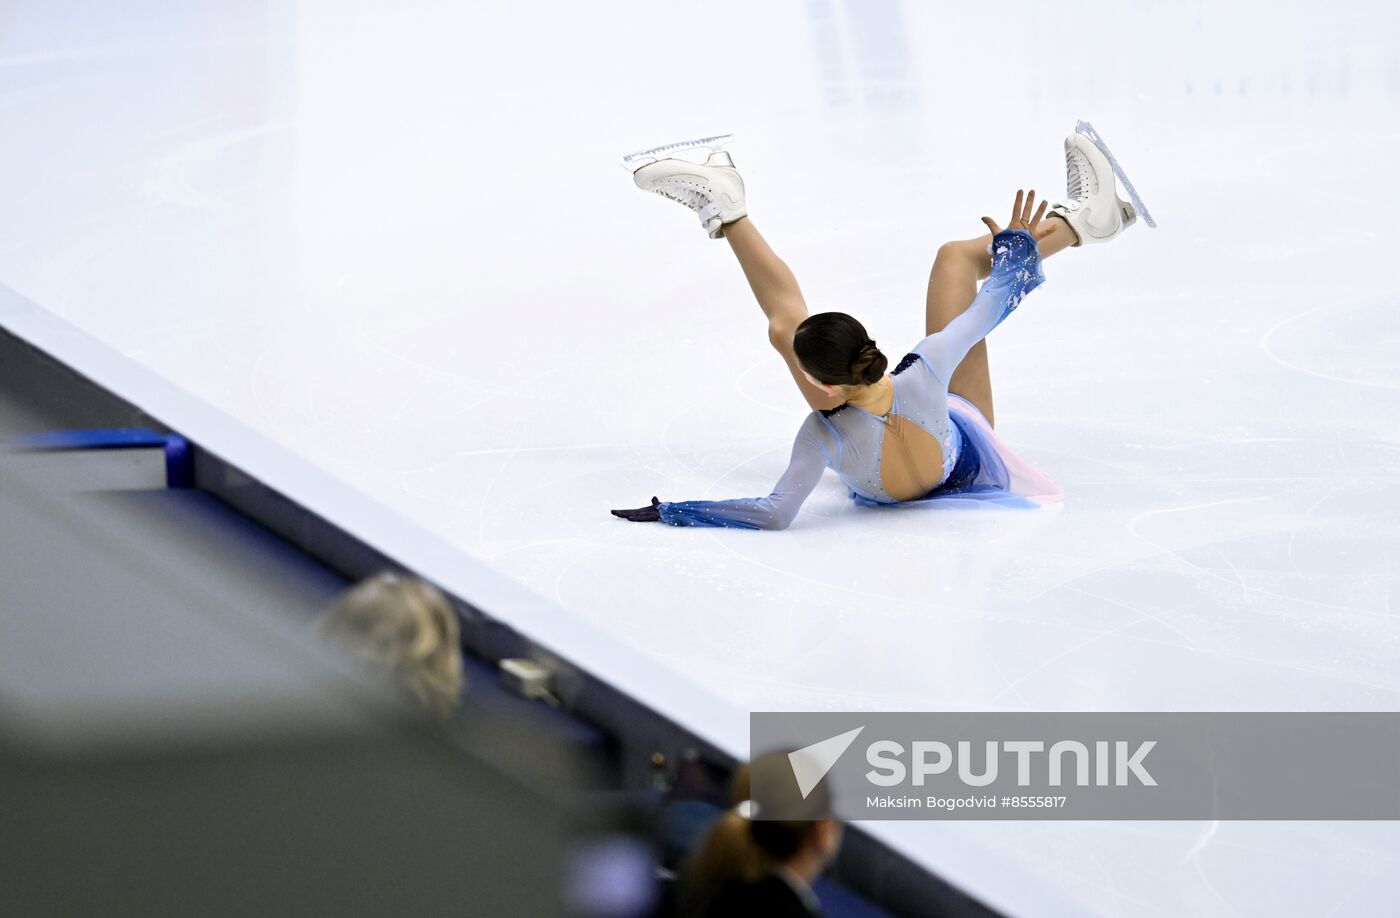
[[1015, 272], [810, 452]]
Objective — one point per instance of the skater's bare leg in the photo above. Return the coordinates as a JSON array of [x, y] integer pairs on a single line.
[[952, 285], [776, 290]]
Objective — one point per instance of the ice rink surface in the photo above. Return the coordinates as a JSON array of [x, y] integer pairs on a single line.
[[395, 239]]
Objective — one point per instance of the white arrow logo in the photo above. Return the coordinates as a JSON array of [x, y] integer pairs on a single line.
[[811, 763]]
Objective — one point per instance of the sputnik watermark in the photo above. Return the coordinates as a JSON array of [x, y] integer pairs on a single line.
[[929, 758], [1018, 765], [984, 801], [1119, 761]]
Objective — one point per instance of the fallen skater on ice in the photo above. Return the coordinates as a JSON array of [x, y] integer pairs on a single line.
[[924, 431]]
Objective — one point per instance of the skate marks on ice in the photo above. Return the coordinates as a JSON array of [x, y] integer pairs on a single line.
[[1367, 353]]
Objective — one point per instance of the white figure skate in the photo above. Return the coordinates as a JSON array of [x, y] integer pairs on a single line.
[[1093, 209], [712, 189]]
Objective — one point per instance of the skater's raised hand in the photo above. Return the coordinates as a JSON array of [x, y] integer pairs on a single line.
[[647, 514], [1022, 217]]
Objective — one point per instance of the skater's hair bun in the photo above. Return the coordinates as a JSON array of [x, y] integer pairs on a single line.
[[869, 364], [835, 349]]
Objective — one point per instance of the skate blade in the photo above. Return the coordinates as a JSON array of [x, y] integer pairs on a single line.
[[1087, 129], [634, 161]]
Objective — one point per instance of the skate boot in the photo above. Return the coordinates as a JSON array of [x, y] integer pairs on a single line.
[[713, 189], [1092, 207]]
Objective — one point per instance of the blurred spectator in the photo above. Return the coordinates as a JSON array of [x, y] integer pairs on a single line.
[[750, 866], [406, 627]]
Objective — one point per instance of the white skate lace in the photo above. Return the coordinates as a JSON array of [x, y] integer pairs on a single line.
[[687, 196], [1077, 185]]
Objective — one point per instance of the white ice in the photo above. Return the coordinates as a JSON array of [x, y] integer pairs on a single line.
[[395, 238]]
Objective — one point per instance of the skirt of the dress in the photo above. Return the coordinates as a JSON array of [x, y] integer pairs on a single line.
[[987, 471]]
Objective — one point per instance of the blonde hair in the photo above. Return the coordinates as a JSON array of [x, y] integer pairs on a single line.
[[726, 855], [405, 626]]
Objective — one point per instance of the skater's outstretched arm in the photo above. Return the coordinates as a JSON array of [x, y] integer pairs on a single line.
[[1015, 272], [811, 452]]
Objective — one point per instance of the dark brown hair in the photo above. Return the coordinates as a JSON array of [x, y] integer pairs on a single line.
[[781, 839], [835, 349], [740, 849]]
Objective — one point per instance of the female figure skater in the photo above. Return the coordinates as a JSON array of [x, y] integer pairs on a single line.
[[924, 430]]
